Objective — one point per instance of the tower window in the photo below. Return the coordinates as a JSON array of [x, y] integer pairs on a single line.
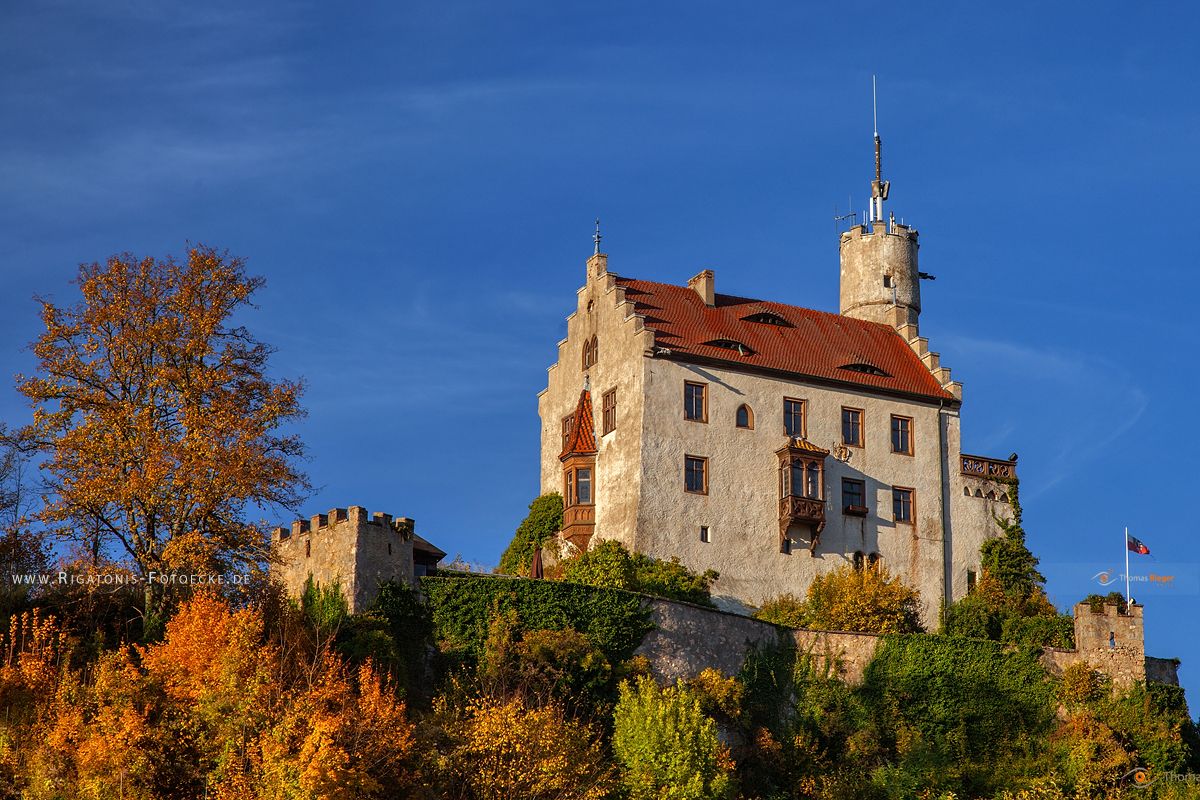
[[793, 417], [705, 534], [902, 435], [852, 427], [307, 548], [970, 581], [610, 411], [695, 474], [858, 560], [590, 352], [389, 548], [873, 561], [887, 281], [695, 401], [745, 417], [902, 505]]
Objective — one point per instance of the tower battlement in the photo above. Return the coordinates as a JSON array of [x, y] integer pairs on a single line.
[[348, 546], [355, 515]]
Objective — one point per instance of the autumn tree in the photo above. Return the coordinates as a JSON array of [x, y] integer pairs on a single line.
[[155, 420], [850, 599]]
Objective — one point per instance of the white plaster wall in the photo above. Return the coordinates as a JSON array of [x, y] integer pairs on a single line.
[[741, 508], [622, 340]]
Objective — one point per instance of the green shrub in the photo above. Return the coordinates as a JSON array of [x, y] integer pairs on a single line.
[[610, 565], [667, 746], [956, 714], [543, 521]]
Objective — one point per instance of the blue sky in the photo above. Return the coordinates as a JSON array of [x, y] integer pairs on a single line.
[[418, 181]]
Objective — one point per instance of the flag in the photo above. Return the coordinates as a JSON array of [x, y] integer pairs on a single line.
[[1135, 544]]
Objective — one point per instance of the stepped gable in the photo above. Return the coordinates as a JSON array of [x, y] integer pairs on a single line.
[[581, 439], [811, 343]]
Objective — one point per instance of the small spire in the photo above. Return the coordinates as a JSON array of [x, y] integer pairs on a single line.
[[597, 237]]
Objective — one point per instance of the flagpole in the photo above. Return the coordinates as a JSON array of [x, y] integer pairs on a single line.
[[1127, 598]]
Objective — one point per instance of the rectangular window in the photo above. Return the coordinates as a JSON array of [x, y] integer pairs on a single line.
[[695, 401], [705, 536], [695, 474], [902, 505], [566, 428], [793, 417], [852, 432], [610, 410], [569, 487], [902, 435], [970, 581], [583, 487], [854, 496]]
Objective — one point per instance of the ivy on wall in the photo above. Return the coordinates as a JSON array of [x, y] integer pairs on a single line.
[[462, 607]]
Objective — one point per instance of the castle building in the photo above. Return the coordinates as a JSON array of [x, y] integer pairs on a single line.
[[767, 441], [350, 549]]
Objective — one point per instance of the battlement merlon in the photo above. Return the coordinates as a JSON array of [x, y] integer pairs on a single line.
[[353, 516]]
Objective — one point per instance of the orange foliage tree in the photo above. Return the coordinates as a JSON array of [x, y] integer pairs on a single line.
[[155, 418]]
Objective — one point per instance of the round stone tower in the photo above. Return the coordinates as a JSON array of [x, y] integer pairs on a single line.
[[880, 280]]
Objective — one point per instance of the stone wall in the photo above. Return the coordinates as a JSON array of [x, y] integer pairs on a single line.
[[688, 639], [346, 546]]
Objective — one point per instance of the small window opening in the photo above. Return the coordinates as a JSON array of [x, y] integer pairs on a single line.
[[731, 344], [887, 281], [307, 548], [705, 535]]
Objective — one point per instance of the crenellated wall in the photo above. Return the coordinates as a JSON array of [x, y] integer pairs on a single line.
[[688, 639], [347, 545]]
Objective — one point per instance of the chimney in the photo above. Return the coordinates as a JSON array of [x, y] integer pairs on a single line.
[[703, 284]]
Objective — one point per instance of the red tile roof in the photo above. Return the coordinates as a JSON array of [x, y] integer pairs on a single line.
[[581, 439], [814, 344]]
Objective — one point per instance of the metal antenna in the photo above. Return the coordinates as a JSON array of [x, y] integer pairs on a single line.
[[874, 107], [879, 187], [596, 237]]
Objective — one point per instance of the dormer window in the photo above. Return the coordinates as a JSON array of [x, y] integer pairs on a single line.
[[731, 344], [865, 368], [767, 318]]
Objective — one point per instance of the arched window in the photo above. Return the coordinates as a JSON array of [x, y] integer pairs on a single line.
[[874, 560], [590, 348], [858, 559], [745, 417]]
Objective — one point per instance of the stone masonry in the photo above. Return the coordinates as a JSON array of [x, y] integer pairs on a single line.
[[346, 546], [688, 639]]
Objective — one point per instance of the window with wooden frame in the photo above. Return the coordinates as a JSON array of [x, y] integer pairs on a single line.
[[745, 417], [854, 497], [609, 404], [695, 401], [695, 474], [590, 352], [793, 417], [577, 486], [902, 505], [902, 435], [566, 428], [852, 427]]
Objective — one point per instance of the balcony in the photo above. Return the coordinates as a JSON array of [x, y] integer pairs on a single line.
[[989, 468]]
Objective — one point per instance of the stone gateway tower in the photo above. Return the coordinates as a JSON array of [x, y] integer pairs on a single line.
[[765, 440]]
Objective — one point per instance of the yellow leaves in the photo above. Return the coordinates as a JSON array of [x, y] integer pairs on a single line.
[[507, 749]]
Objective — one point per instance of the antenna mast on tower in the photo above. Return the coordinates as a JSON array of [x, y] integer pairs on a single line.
[[879, 187]]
